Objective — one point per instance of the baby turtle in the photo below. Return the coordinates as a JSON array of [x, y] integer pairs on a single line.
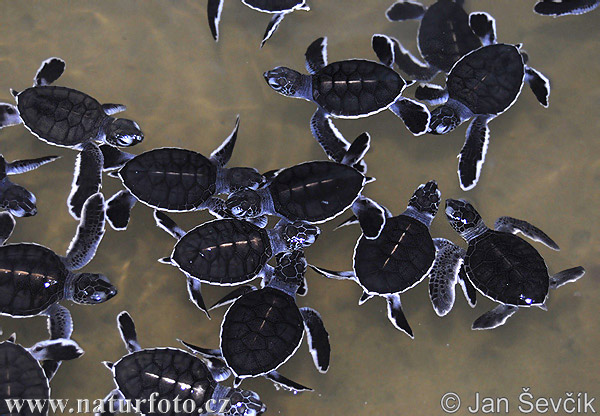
[[314, 192], [278, 8], [230, 252], [66, 117], [481, 85], [503, 267], [352, 88], [189, 384], [556, 8], [400, 258], [14, 198], [33, 279], [445, 35], [176, 180], [264, 328], [22, 376]]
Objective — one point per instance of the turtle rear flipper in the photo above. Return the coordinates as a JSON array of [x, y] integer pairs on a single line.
[[127, 331], [87, 178], [566, 276], [405, 10], [213, 12], [285, 383], [370, 215], [495, 317], [89, 233], [443, 275], [7, 226], [118, 209], [415, 115], [514, 226], [9, 115], [472, 154], [432, 94], [21, 166], [318, 338], [539, 84], [316, 55], [396, 315], [484, 27], [222, 154], [50, 70], [272, 27], [111, 405], [564, 7]]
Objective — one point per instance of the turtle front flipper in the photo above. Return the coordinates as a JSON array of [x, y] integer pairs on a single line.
[[316, 55], [514, 226], [165, 222], [556, 8], [318, 338], [328, 136], [195, 293], [495, 317], [467, 287], [285, 383], [405, 10], [7, 226], [114, 158], [539, 84], [9, 115], [566, 276], [233, 296], [272, 27], [60, 322], [432, 94], [390, 51], [222, 154], [443, 275], [330, 274], [111, 405], [111, 108], [472, 154], [50, 70], [396, 315], [416, 116], [21, 166], [213, 12], [357, 151], [371, 216], [54, 352], [484, 27], [206, 352], [87, 178], [89, 233], [118, 210], [127, 331]]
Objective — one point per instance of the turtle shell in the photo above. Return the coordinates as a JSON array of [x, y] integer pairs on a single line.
[[32, 278], [396, 260], [273, 6], [223, 252], [507, 269], [315, 191], [170, 179], [445, 35], [489, 79], [21, 377], [60, 115], [169, 372], [356, 88], [260, 331]]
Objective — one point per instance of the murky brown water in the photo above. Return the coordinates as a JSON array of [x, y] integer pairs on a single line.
[[159, 59]]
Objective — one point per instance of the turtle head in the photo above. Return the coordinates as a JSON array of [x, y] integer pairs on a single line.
[[443, 120], [243, 403], [92, 288], [244, 178], [426, 198], [299, 234], [291, 267], [17, 200], [246, 203], [463, 217], [123, 133], [285, 81]]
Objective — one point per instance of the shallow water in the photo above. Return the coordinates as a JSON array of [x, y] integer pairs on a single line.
[[159, 59]]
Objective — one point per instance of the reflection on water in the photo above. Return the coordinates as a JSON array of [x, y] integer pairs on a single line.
[[159, 59]]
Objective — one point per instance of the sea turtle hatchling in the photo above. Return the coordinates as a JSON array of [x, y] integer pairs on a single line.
[[185, 384], [503, 267], [353, 88], [230, 252], [314, 192], [22, 376], [556, 8], [175, 180], [482, 85], [263, 328], [66, 117], [401, 257], [33, 278], [14, 198], [446, 33]]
